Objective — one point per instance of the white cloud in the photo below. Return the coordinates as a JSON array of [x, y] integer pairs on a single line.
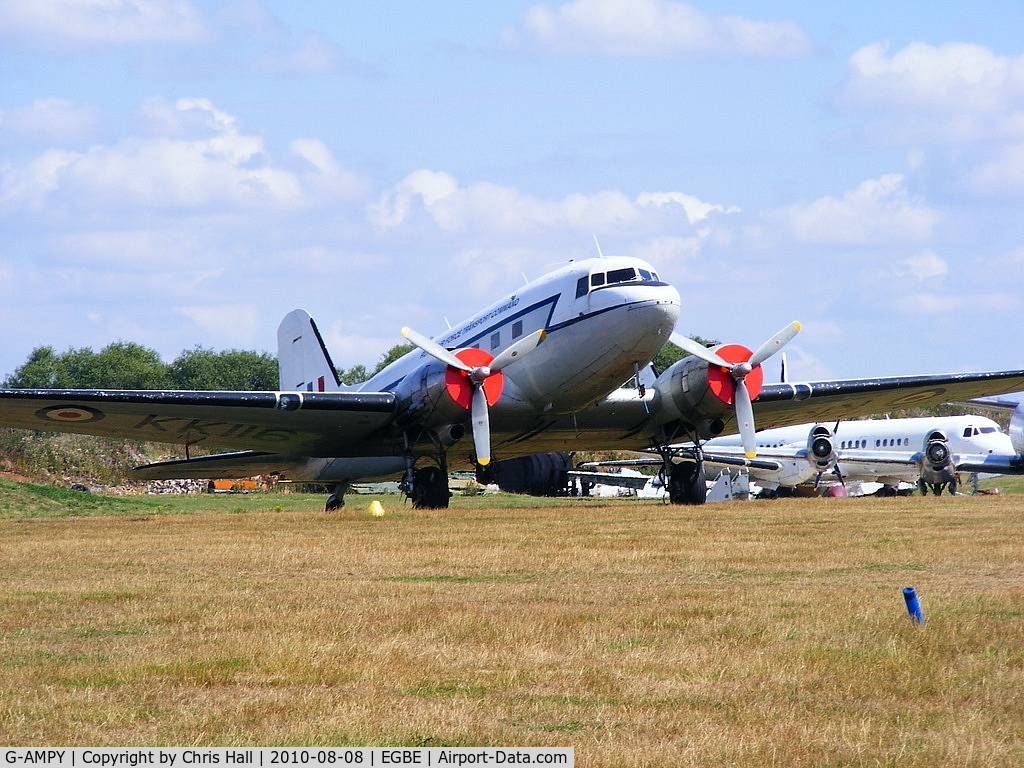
[[55, 23], [936, 304], [925, 265], [493, 208], [877, 211], [50, 121], [314, 55], [197, 156], [223, 324], [1001, 175], [696, 209], [651, 29], [952, 78]]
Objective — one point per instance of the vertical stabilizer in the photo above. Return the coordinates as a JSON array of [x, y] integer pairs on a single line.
[[302, 359]]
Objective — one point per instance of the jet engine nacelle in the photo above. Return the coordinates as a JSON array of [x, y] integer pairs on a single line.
[[1017, 429], [821, 450], [685, 393], [937, 464]]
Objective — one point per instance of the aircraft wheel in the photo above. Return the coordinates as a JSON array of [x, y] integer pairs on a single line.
[[430, 489], [686, 483], [336, 500]]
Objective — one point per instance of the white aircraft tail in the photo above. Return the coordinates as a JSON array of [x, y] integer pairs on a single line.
[[302, 359]]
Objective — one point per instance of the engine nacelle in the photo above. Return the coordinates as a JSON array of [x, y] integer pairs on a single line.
[[821, 450], [424, 399], [685, 394], [937, 464], [1017, 429]]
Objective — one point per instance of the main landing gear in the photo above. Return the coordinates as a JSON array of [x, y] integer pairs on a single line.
[[937, 488], [682, 472], [429, 488]]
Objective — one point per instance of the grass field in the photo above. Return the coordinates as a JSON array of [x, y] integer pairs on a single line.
[[748, 633]]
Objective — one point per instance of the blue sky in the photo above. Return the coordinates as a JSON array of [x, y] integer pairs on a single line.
[[180, 173]]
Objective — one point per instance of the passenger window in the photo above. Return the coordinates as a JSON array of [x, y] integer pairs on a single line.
[[582, 286], [517, 327], [495, 339]]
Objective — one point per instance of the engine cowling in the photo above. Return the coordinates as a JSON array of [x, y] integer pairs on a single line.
[[937, 462], [1016, 429], [701, 395], [821, 450], [429, 398]]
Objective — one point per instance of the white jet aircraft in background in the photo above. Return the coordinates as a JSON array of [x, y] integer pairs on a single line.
[[540, 370]]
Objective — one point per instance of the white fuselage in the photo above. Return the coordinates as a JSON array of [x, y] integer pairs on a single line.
[[603, 318], [868, 449]]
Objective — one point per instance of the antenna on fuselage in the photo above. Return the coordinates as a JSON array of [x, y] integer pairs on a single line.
[[599, 254]]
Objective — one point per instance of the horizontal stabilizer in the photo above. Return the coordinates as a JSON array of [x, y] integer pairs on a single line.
[[219, 467]]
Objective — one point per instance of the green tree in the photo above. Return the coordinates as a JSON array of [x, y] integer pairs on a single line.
[[357, 374], [42, 370], [233, 369], [120, 365], [391, 355], [670, 354]]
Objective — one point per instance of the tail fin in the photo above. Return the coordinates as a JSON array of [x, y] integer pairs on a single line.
[[302, 359]]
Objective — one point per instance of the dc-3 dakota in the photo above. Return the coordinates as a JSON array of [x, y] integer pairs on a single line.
[[541, 370]]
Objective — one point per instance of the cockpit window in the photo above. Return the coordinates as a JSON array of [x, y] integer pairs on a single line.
[[625, 275], [621, 275]]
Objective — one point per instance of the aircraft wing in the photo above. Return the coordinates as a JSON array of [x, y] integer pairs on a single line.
[[295, 423], [993, 465], [781, 405], [767, 463], [611, 478]]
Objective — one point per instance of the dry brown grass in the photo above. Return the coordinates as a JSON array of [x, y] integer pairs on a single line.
[[749, 634]]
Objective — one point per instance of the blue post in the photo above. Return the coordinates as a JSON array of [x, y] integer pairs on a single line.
[[913, 607]]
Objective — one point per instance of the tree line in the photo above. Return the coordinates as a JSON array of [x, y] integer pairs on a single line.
[[126, 365]]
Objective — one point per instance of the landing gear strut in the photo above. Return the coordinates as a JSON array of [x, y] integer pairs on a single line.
[[337, 499], [937, 488], [685, 480]]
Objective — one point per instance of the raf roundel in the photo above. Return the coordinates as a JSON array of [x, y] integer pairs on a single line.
[[70, 414]]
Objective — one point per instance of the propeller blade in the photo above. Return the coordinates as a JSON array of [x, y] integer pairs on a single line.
[[434, 349], [481, 427], [745, 419], [517, 350], [774, 344], [698, 350]]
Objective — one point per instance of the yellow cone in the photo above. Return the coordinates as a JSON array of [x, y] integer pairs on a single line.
[[375, 509]]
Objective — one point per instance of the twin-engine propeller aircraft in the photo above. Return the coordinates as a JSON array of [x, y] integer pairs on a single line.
[[538, 371], [931, 452]]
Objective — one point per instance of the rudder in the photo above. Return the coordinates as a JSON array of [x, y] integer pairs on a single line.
[[303, 361]]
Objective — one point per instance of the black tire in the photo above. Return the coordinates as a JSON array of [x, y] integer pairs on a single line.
[[686, 484], [430, 489]]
